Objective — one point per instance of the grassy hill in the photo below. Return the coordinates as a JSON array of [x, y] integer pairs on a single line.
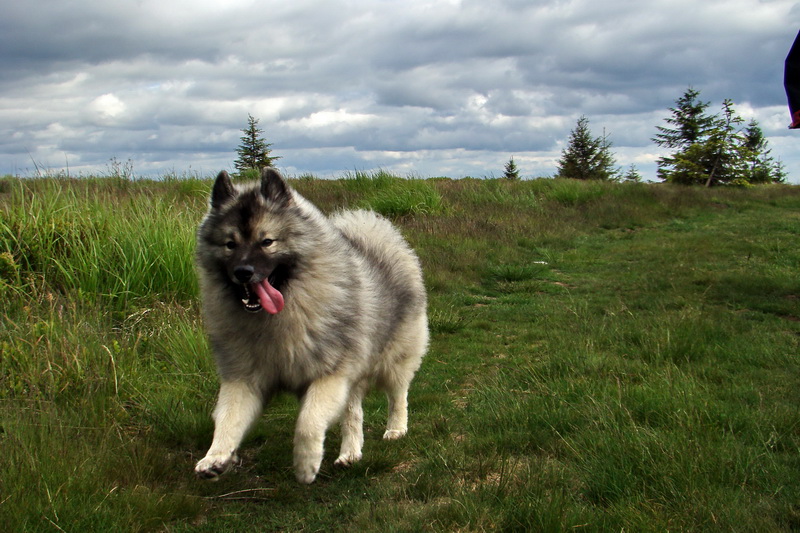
[[604, 357]]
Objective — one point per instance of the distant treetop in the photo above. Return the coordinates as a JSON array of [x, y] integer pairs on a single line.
[[253, 150], [511, 170], [587, 157]]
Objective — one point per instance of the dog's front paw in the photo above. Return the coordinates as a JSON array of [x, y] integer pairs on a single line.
[[307, 458], [394, 434], [348, 459], [306, 474], [214, 465]]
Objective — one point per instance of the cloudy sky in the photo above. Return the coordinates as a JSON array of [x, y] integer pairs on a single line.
[[419, 87]]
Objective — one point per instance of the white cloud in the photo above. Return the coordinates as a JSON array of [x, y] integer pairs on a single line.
[[106, 107]]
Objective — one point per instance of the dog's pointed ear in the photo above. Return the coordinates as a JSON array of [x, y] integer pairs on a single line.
[[223, 190], [274, 188]]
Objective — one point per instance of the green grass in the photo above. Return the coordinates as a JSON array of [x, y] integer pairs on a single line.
[[393, 196], [604, 357]]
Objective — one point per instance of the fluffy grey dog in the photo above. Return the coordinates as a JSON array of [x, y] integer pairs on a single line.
[[296, 301]]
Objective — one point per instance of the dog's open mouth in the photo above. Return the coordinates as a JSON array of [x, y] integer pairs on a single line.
[[250, 300], [262, 295]]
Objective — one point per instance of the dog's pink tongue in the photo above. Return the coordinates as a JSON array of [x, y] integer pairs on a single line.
[[271, 298]]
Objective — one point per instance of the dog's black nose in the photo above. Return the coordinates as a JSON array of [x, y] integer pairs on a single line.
[[244, 273]]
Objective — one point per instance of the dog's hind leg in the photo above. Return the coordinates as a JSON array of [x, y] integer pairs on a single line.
[[397, 425], [239, 405], [396, 380], [353, 427], [321, 405]]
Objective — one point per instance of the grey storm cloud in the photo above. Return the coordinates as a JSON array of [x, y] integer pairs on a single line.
[[433, 87]]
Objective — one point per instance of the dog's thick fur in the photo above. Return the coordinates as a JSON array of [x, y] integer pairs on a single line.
[[296, 301]]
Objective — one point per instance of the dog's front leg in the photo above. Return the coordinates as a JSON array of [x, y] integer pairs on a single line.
[[239, 405], [322, 404]]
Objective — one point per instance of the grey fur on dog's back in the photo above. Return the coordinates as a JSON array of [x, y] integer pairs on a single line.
[[354, 315]]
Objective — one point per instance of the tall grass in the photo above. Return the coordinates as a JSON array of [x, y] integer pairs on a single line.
[[393, 196], [604, 357], [101, 244]]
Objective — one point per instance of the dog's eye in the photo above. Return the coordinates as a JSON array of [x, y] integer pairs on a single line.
[[267, 242], [230, 245]]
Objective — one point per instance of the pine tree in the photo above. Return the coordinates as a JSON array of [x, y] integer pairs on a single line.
[[690, 125], [714, 160], [726, 142], [713, 149], [253, 150], [632, 175], [511, 170], [761, 166], [689, 120], [587, 157]]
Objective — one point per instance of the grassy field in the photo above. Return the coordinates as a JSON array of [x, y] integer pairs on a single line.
[[604, 357]]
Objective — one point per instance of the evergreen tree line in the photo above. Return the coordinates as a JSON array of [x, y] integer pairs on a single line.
[[708, 149]]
